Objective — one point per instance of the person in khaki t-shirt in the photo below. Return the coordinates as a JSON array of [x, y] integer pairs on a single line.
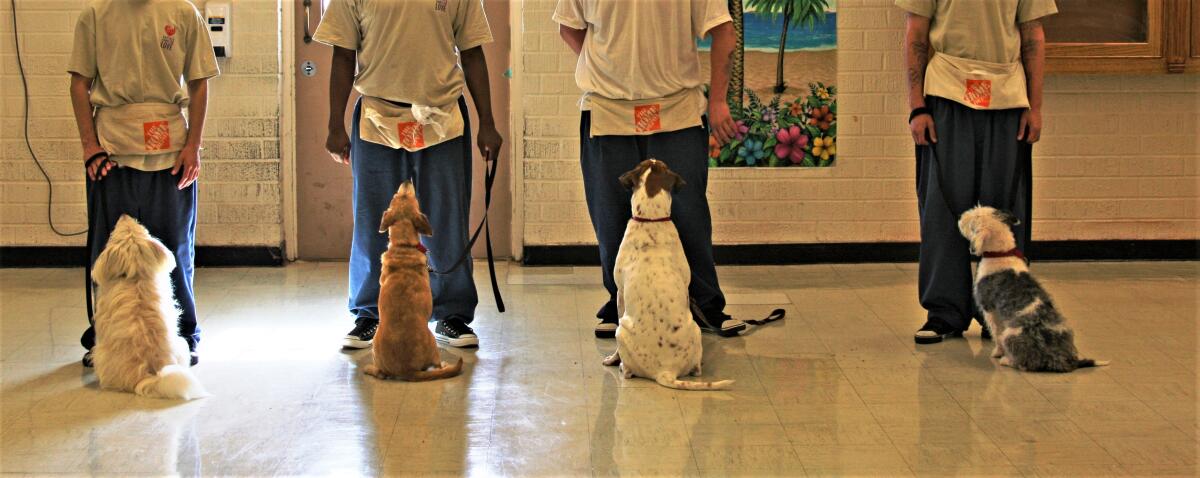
[[975, 72], [413, 60], [643, 97], [135, 66]]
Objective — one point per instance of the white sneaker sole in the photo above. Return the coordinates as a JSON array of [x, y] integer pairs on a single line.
[[461, 342], [355, 343]]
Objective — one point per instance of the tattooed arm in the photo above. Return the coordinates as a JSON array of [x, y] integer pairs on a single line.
[[916, 55], [1033, 57]]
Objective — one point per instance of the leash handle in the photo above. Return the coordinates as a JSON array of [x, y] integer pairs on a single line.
[[776, 314]]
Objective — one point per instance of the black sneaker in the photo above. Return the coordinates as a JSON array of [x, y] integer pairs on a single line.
[[195, 357], [606, 328], [361, 336], [935, 330], [87, 359], [717, 322], [455, 332]]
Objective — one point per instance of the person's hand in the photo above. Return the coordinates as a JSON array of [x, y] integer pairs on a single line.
[[1030, 129], [337, 144], [489, 140], [187, 162], [94, 171], [922, 129], [720, 123]]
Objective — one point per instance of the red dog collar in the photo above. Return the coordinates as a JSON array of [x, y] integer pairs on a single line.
[[661, 219], [1014, 252], [418, 246]]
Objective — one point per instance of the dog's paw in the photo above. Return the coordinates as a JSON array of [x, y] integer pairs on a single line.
[[997, 352], [611, 360]]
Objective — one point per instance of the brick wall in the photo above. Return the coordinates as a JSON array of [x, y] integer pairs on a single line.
[[240, 195], [1118, 158]]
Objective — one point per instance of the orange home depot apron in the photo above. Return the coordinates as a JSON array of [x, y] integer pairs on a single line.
[[411, 128], [643, 117], [141, 129], [977, 84]]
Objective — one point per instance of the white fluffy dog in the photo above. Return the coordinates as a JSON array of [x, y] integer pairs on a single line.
[[138, 347]]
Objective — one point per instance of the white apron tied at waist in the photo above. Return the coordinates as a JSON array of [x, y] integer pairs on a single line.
[[409, 128], [141, 128], [977, 84], [645, 117]]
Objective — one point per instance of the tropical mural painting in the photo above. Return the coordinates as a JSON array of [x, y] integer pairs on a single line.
[[785, 69]]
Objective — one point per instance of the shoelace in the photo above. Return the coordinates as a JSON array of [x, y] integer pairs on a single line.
[[456, 326]]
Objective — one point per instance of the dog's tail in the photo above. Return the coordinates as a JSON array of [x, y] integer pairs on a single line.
[[446, 371], [665, 379], [1084, 363], [173, 381]]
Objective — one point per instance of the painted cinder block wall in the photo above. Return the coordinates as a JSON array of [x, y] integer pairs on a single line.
[[1118, 159], [240, 200]]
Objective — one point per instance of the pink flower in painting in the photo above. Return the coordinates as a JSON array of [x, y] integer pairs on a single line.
[[791, 144]]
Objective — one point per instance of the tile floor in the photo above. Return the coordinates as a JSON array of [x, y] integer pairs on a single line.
[[838, 388]]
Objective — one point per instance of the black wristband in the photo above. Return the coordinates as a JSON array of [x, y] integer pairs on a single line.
[[918, 111]]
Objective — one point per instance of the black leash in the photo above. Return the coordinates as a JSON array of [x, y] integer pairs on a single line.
[[776, 314], [95, 209], [489, 179]]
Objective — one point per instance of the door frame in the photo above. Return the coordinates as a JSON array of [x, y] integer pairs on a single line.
[[516, 129], [287, 128], [287, 132]]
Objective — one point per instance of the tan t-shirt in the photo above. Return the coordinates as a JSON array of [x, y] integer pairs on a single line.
[[136, 51], [978, 29], [407, 49], [636, 50]]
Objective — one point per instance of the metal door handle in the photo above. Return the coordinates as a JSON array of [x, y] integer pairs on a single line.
[[307, 21]]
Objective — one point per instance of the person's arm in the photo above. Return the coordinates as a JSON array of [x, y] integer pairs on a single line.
[[475, 69], [916, 56], [188, 160], [81, 103], [341, 80], [572, 37], [719, 120], [1033, 58]]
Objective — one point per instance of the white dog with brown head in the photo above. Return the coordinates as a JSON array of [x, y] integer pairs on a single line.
[[138, 347], [656, 336]]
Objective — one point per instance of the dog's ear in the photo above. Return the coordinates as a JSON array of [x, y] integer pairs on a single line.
[[978, 238], [1007, 218], [389, 218], [152, 259], [630, 178], [677, 181], [421, 224]]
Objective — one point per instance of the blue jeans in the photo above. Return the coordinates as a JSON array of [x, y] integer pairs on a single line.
[[442, 177], [154, 199], [606, 158]]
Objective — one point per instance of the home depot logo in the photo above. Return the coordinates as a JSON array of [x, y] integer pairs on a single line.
[[646, 118], [157, 135], [412, 134], [979, 92]]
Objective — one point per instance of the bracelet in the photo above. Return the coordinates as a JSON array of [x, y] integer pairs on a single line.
[[918, 111]]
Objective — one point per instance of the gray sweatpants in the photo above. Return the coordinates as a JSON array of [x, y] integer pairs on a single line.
[[982, 162]]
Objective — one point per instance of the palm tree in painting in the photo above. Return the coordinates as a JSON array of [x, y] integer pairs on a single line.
[[737, 68], [808, 12]]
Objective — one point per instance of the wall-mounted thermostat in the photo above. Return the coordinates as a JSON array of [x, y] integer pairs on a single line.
[[218, 15]]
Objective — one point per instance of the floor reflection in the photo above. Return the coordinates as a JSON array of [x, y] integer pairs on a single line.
[[836, 389]]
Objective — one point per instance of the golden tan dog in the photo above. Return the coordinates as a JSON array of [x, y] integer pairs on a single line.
[[404, 347]]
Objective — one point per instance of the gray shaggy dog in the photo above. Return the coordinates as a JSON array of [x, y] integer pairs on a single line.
[[1029, 332]]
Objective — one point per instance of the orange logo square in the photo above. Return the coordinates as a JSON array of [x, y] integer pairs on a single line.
[[646, 118], [412, 134], [157, 135], [979, 92]]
